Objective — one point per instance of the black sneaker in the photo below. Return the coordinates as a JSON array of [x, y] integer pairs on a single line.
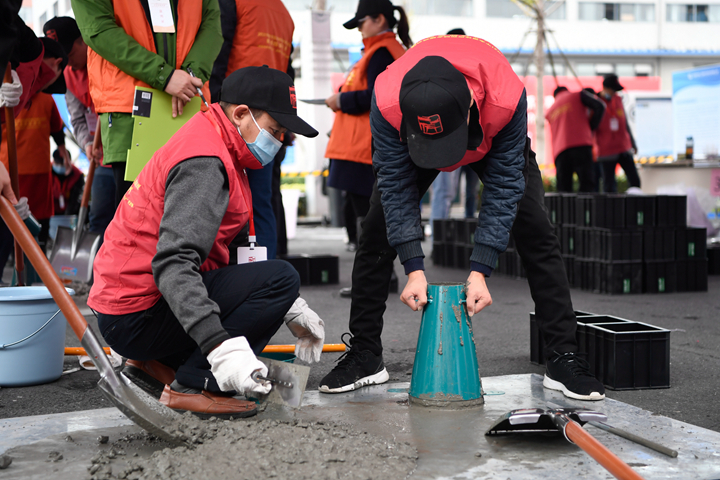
[[355, 369], [570, 374]]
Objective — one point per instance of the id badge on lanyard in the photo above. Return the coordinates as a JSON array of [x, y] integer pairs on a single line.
[[253, 253], [161, 16]]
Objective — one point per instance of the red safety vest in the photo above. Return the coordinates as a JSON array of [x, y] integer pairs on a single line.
[[612, 136], [62, 187], [569, 123], [496, 87], [123, 273]]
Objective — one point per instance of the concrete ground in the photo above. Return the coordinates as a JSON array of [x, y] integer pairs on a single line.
[[502, 334]]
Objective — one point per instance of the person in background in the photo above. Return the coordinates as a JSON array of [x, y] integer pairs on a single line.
[[68, 183], [34, 126], [84, 118], [615, 142], [127, 50], [572, 137], [256, 33]]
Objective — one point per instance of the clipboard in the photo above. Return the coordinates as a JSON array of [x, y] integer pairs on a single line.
[[153, 125]]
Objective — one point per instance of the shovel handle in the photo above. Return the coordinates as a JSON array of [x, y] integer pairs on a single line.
[[91, 171], [42, 266], [600, 453], [13, 171], [328, 347]]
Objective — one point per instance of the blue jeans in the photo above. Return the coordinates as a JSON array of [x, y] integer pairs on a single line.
[[264, 216], [444, 189], [471, 190], [102, 206]]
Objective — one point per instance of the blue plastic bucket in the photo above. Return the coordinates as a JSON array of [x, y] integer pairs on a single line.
[[32, 336]]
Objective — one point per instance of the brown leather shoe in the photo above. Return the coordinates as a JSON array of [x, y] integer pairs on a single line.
[[151, 375], [207, 404]]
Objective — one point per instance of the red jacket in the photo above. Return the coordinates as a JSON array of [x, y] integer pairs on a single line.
[[569, 123], [123, 273], [481, 63], [67, 191], [612, 135]]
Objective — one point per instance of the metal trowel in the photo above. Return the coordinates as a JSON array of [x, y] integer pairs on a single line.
[[288, 382]]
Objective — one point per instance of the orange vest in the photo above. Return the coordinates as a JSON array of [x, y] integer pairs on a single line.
[[263, 35], [569, 123], [113, 90], [123, 273], [351, 138], [33, 126], [611, 135]]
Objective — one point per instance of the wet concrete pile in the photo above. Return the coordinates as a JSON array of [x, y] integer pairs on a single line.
[[257, 449]]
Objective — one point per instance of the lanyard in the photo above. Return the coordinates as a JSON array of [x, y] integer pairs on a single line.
[[251, 231]]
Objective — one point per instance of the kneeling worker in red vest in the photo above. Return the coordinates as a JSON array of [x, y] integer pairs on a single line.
[[164, 292], [451, 101]]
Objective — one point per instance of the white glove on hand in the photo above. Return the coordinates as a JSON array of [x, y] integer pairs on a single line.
[[232, 363], [308, 328], [22, 208], [10, 93]]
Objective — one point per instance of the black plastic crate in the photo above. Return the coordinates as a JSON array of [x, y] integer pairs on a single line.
[[660, 277], [586, 338], [438, 230], [639, 211], [553, 204], [583, 242], [567, 239], [713, 261], [470, 227], [537, 344], [449, 254], [301, 264], [690, 243], [438, 254], [569, 262], [615, 278], [659, 244], [585, 274], [671, 210], [448, 231], [692, 275], [324, 269], [632, 355], [618, 245], [605, 211], [568, 201], [462, 256], [461, 231]]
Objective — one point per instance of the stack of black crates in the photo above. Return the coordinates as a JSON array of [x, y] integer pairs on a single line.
[[617, 244]]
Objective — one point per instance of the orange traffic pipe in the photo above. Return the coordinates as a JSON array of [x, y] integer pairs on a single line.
[[328, 347], [13, 171]]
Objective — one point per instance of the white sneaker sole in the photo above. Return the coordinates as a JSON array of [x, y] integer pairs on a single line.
[[376, 379], [555, 385]]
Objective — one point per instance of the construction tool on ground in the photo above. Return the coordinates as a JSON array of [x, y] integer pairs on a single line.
[[145, 411], [13, 171], [74, 250], [328, 347], [288, 382], [567, 421], [634, 438]]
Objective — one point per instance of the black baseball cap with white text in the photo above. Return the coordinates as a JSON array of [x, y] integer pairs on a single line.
[[266, 89]]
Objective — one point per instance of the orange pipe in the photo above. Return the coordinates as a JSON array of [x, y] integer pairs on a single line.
[[328, 347], [13, 171], [600, 453]]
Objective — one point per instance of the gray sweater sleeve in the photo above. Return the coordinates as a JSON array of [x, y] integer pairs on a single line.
[[196, 198], [77, 118]]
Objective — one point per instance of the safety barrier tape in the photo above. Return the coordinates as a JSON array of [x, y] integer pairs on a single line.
[[314, 173]]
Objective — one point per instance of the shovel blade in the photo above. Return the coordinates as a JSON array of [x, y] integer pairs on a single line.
[[297, 375], [78, 266], [538, 420], [148, 413]]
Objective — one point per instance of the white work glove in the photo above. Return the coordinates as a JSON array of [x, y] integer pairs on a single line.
[[10, 93], [308, 328], [232, 364], [23, 209]]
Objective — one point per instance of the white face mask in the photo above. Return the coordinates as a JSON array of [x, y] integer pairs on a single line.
[[265, 146]]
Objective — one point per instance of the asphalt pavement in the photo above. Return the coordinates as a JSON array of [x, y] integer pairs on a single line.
[[502, 335]]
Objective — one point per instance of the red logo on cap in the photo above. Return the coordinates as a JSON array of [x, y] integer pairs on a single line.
[[52, 34], [430, 125], [293, 98]]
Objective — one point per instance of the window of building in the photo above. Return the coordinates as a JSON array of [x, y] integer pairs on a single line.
[[43, 18], [55, 9], [26, 14], [454, 8], [624, 12], [692, 13], [509, 9]]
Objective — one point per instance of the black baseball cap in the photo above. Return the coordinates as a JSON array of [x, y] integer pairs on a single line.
[[266, 89], [435, 101], [611, 81], [63, 30], [54, 50], [372, 8]]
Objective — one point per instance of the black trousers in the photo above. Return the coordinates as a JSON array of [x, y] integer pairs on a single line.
[[575, 160], [536, 243], [253, 300], [627, 163], [121, 185]]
